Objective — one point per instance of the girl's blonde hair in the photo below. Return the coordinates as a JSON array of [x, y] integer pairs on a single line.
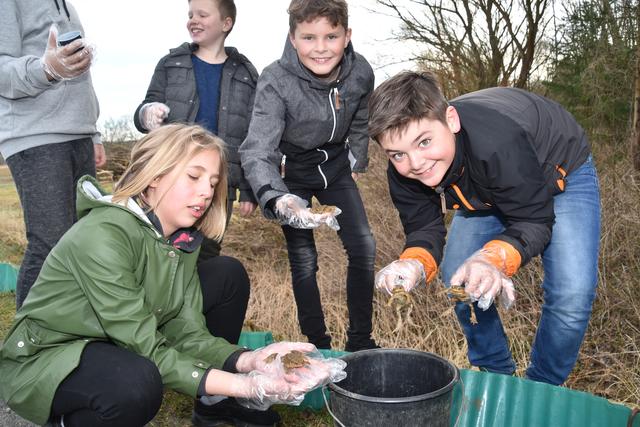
[[173, 146]]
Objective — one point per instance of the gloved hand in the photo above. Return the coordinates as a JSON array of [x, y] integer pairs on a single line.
[[65, 62], [300, 376], [407, 273], [293, 211], [153, 114], [260, 391], [256, 360], [483, 281]]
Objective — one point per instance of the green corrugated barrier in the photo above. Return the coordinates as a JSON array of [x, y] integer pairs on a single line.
[[8, 277], [483, 399]]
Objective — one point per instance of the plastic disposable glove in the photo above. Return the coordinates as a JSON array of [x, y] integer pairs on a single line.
[[483, 281], [153, 114], [255, 360], [293, 211], [407, 273], [315, 372], [260, 391], [65, 62]]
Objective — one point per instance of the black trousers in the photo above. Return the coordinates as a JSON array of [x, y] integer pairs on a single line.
[[113, 386], [360, 247]]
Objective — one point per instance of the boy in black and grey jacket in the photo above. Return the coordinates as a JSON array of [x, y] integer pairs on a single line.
[[517, 169], [308, 138], [210, 84]]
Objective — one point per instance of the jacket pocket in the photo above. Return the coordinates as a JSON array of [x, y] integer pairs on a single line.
[[177, 75], [28, 338]]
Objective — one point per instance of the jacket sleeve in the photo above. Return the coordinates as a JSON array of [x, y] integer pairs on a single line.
[[520, 192], [358, 135], [22, 76], [106, 274], [259, 154], [155, 93], [246, 194], [421, 217], [187, 332]]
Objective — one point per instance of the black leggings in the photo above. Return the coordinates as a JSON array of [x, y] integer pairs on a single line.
[[113, 386]]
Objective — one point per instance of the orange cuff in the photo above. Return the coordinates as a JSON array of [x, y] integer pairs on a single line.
[[508, 265], [425, 258]]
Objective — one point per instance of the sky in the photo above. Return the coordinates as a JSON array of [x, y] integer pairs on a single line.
[[131, 36]]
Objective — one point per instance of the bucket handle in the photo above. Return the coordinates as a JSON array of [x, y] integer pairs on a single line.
[[326, 403], [462, 404], [632, 417]]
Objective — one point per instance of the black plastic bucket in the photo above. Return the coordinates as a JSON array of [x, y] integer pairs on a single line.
[[394, 387]]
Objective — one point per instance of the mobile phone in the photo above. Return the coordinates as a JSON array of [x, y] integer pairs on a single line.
[[66, 38]]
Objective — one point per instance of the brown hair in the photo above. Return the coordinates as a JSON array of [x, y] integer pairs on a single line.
[[173, 146], [403, 98], [336, 12]]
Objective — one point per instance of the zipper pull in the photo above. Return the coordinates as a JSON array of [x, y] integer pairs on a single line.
[[443, 200], [337, 95], [282, 162]]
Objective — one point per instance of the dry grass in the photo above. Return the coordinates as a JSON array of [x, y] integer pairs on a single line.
[[609, 361]]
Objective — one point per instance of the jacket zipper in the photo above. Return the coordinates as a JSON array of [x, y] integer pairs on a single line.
[[443, 200], [332, 93]]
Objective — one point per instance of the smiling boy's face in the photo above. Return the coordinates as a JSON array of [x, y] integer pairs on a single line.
[[425, 150], [320, 45], [206, 26]]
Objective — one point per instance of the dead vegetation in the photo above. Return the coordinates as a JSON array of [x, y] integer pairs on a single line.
[[609, 362]]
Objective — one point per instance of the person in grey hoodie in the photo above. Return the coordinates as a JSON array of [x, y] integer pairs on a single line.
[[308, 138], [48, 115]]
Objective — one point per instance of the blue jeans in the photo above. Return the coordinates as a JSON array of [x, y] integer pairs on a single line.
[[358, 242], [570, 262]]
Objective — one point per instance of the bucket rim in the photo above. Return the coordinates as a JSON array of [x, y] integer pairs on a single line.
[[446, 389]]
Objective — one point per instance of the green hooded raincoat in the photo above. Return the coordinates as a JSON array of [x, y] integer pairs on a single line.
[[112, 277]]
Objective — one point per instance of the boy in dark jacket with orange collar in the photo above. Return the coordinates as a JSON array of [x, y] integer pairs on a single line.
[[517, 169], [308, 137]]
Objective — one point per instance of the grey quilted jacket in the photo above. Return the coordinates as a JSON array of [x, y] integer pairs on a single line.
[[305, 132], [173, 83]]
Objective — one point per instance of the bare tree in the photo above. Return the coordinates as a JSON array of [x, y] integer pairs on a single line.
[[473, 44], [635, 139], [119, 130]]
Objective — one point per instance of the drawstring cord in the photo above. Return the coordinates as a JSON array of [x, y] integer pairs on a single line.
[[64, 5]]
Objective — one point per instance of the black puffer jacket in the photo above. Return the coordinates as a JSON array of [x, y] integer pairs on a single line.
[[173, 83], [511, 154]]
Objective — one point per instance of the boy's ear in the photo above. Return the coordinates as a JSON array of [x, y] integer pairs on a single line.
[[227, 25], [453, 119], [347, 38], [292, 39]]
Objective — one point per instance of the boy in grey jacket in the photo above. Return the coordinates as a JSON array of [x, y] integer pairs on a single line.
[[308, 137], [48, 114]]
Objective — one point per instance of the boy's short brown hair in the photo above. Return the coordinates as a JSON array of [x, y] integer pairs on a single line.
[[336, 12], [403, 98]]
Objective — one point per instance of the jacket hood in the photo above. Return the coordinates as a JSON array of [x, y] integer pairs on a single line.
[[91, 195], [290, 62]]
